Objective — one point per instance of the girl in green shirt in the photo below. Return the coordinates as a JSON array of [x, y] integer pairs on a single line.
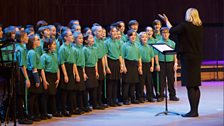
[[91, 69], [80, 87], [132, 67], [44, 33], [149, 31], [121, 27], [51, 75], [68, 66], [99, 44], [113, 66], [34, 71]]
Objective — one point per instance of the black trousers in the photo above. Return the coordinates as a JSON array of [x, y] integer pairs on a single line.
[[58, 98], [78, 99], [167, 71], [92, 96], [155, 82], [112, 90], [129, 91], [67, 97], [100, 92], [48, 104], [86, 98], [20, 103], [145, 79], [34, 104], [119, 90]]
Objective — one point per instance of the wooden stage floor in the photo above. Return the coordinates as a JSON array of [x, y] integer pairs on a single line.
[[211, 112]]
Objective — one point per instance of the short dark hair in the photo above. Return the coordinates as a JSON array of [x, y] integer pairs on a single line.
[[130, 32], [164, 29], [40, 24], [132, 22], [31, 39], [47, 42], [19, 35], [155, 22]]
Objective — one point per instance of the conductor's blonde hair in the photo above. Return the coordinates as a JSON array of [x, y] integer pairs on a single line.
[[192, 15]]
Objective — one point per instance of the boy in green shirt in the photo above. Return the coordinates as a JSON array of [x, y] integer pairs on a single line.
[[167, 66], [24, 82], [147, 55], [99, 44]]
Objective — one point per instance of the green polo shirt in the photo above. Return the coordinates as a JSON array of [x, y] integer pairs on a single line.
[[158, 37], [137, 41], [57, 45], [79, 55], [113, 48], [40, 49], [99, 44], [130, 51], [169, 58], [90, 56], [21, 55], [124, 37], [33, 59], [66, 54], [151, 41], [121, 42], [146, 52], [49, 62]]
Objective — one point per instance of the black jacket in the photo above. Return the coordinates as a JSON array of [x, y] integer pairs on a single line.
[[189, 39]]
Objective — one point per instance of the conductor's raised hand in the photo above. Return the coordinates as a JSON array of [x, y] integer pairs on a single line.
[[163, 17]]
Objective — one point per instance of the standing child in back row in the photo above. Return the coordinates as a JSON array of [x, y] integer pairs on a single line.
[[99, 44], [147, 55], [91, 70], [157, 35], [132, 67], [167, 66], [114, 65], [80, 86], [51, 76], [67, 65]]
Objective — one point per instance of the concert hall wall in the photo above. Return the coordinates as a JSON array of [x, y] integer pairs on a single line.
[[22, 12]]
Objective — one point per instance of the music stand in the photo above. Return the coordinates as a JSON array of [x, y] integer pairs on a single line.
[[11, 67], [165, 50]]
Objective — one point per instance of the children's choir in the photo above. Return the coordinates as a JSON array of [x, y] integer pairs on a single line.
[[65, 72]]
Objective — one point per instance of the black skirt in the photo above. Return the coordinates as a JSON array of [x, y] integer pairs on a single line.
[[114, 66], [71, 80], [91, 82], [51, 79], [132, 75], [190, 71], [80, 86], [100, 69], [33, 89]]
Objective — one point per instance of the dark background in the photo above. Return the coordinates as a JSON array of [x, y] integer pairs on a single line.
[[22, 12]]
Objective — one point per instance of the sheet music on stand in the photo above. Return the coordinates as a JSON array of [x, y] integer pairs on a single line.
[[163, 48]]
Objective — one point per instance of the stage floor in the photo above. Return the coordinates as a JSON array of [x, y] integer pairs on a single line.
[[211, 112]]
